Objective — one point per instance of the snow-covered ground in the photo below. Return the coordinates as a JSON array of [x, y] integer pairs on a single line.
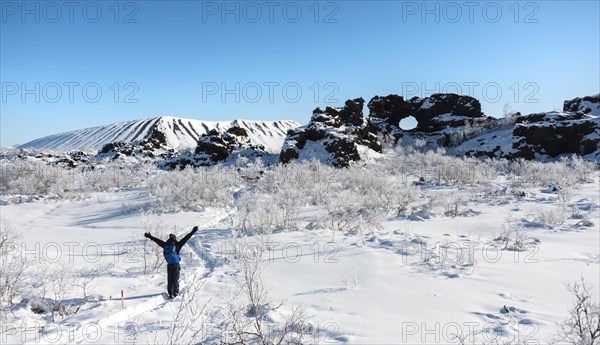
[[430, 277]]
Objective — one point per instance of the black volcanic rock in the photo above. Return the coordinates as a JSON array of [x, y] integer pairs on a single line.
[[392, 109], [342, 131], [335, 134], [433, 113], [350, 115], [385, 114], [446, 103], [540, 135], [239, 131], [586, 105], [157, 138], [343, 151], [214, 147], [151, 147], [74, 159], [559, 134], [113, 147], [550, 117], [154, 145], [288, 155]]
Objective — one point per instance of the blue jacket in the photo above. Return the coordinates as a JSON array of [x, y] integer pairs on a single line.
[[171, 241]]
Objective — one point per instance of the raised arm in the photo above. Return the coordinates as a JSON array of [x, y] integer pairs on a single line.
[[161, 243], [186, 238]]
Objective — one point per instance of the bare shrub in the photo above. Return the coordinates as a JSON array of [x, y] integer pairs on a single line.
[[55, 285], [288, 201], [452, 203], [192, 188], [582, 327], [12, 265], [403, 196], [86, 278], [515, 237], [255, 214], [342, 210], [248, 322], [554, 217]]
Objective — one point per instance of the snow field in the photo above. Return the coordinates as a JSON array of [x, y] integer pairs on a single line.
[[461, 262]]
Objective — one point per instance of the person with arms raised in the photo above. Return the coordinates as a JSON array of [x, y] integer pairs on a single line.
[[171, 248]]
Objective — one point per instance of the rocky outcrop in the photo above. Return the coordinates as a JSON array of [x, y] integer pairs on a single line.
[[433, 113], [553, 134], [544, 136], [155, 146], [338, 135], [74, 159], [385, 114], [588, 105], [333, 135], [219, 147], [215, 147]]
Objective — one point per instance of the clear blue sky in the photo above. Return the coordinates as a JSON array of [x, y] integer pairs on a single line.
[[177, 57]]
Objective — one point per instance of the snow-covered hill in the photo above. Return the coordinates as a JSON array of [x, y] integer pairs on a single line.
[[180, 133]]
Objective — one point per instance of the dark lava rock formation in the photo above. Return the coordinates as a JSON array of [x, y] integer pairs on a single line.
[[340, 136], [333, 135], [215, 147]]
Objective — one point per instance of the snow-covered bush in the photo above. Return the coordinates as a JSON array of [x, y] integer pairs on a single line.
[[255, 214], [28, 178], [342, 210], [452, 203], [514, 237], [54, 291], [114, 176], [583, 324], [61, 289], [86, 276], [279, 194], [287, 201], [308, 178], [438, 168], [346, 210], [401, 196], [565, 194], [47, 179], [260, 212], [12, 265], [581, 170], [246, 318], [551, 217], [567, 172], [429, 208], [192, 188], [451, 259]]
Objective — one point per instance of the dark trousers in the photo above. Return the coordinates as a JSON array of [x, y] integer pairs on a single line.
[[173, 279]]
